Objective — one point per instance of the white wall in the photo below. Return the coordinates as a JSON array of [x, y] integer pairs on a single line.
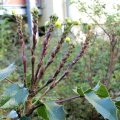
[[47, 10], [59, 8], [50, 7]]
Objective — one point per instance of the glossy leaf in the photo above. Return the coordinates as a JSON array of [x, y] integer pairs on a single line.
[[16, 94], [11, 90], [3, 100], [105, 106], [99, 98], [11, 103], [21, 95], [42, 112], [7, 71], [79, 91], [117, 103], [55, 111], [101, 90]]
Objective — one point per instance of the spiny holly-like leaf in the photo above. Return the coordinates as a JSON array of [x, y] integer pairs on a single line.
[[79, 91], [11, 90], [3, 100], [55, 111], [21, 95], [99, 98], [101, 90], [51, 111], [7, 71], [105, 106], [117, 103], [11, 103], [42, 112], [16, 95]]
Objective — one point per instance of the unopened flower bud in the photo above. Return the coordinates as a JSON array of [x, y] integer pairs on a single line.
[[23, 59], [24, 63], [14, 12], [67, 40], [35, 11], [68, 21], [76, 22], [33, 59], [89, 26], [58, 24]]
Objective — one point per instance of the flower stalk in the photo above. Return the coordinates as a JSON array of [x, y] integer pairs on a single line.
[[60, 66], [67, 71], [35, 13], [21, 39], [40, 68], [43, 53]]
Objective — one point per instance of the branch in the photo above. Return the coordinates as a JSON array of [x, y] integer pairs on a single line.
[[34, 107], [111, 62], [10, 81], [67, 99], [98, 24]]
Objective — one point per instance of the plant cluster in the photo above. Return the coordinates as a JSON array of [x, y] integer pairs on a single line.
[[31, 95]]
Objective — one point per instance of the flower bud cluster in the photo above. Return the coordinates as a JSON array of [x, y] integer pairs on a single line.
[[19, 19], [35, 12]]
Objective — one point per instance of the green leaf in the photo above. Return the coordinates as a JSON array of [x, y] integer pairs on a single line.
[[79, 91], [105, 106], [3, 100], [11, 90], [21, 96], [16, 95], [7, 71], [11, 103], [101, 90], [99, 98], [42, 112], [118, 114], [54, 111], [117, 103]]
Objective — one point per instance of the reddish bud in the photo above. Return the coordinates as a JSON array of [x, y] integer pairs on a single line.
[[33, 59], [24, 63]]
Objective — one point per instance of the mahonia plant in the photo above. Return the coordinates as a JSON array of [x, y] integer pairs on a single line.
[[37, 72], [26, 94]]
